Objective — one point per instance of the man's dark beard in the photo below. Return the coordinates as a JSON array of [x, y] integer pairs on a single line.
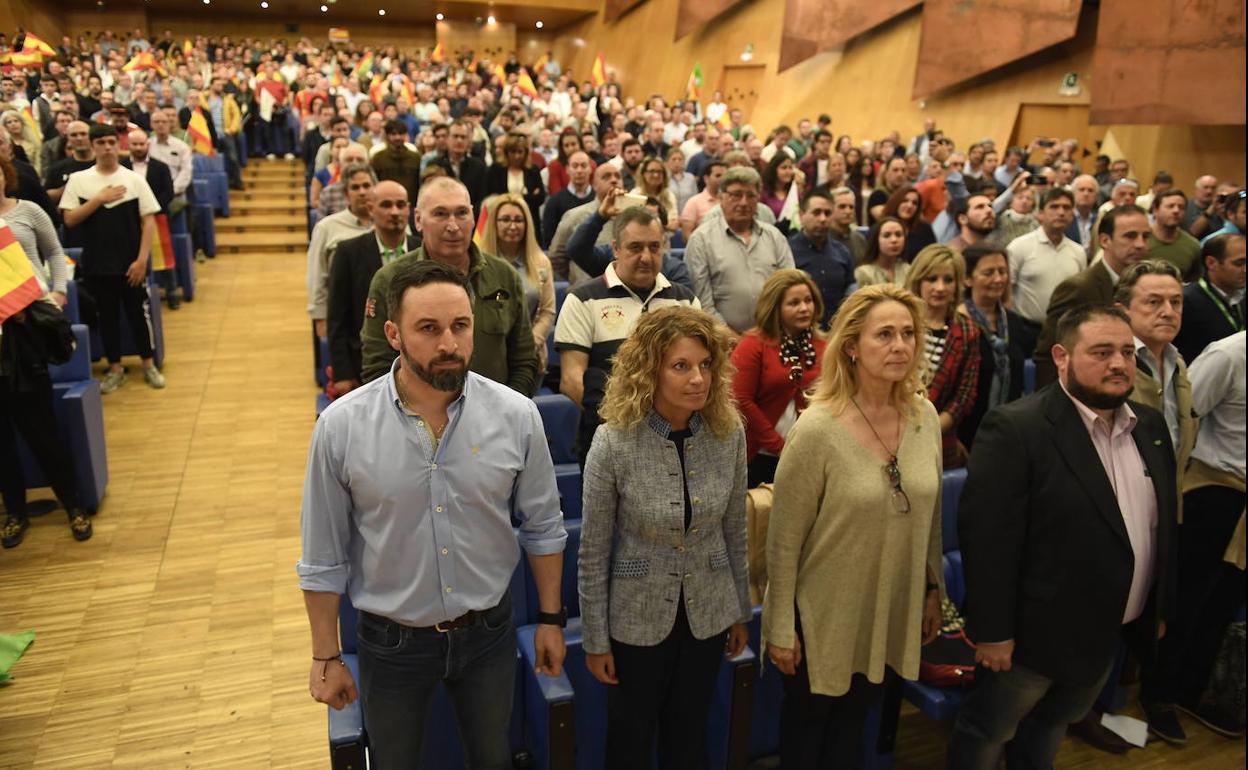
[[1094, 399], [445, 380], [984, 231]]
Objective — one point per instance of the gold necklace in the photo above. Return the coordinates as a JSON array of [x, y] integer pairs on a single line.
[[437, 431]]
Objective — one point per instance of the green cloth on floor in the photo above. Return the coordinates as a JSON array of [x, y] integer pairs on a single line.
[[11, 648]]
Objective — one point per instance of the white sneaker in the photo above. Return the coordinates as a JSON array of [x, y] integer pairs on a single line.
[[112, 380], [153, 377]]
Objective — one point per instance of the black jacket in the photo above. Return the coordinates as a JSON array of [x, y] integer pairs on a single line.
[[534, 190], [1206, 318], [472, 174], [1046, 554], [355, 262], [559, 204], [160, 179]]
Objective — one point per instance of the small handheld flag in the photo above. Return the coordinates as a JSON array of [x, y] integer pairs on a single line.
[[18, 285]]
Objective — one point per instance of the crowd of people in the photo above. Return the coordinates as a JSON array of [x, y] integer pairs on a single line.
[[833, 319]]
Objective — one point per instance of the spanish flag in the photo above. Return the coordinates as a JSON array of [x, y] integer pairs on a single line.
[[28, 117], [22, 59], [539, 66], [377, 90], [525, 84], [144, 60], [598, 73], [162, 246], [35, 43], [501, 74], [438, 55], [335, 79], [187, 46], [18, 285], [479, 232], [197, 130], [724, 121]]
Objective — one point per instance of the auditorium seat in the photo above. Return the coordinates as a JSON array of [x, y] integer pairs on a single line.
[[211, 168], [80, 422], [202, 216], [678, 254], [1029, 376], [560, 418]]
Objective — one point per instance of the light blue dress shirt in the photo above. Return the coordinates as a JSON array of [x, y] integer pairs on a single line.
[[423, 536]]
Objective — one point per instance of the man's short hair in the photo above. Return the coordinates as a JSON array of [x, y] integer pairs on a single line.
[[102, 130], [706, 171], [358, 168], [1163, 177], [630, 142], [821, 191], [638, 214], [395, 127], [741, 175], [1174, 192], [820, 134], [1132, 275], [1217, 247], [1053, 193], [1112, 216], [1072, 320], [962, 206], [414, 273], [337, 119]]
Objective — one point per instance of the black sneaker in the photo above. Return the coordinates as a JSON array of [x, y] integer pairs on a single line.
[[174, 302], [80, 524], [1221, 723], [14, 530], [1163, 722]]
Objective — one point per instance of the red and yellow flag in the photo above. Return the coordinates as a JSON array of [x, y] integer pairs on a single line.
[[598, 73], [34, 43], [501, 74], [144, 60], [439, 54], [365, 65], [539, 66], [162, 246], [18, 285], [377, 90], [524, 84], [197, 130], [479, 232], [187, 46], [724, 121]]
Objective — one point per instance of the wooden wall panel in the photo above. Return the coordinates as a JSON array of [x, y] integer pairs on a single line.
[[965, 38], [811, 26], [614, 9], [44, 21], [494, 41], [694, 14], [408, 37], [1184, 65]]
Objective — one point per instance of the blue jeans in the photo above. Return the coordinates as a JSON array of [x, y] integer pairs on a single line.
[[1020, 713], [399, 668]]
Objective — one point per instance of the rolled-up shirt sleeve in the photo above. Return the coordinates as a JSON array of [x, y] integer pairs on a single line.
[[326, 516], [535, 500]]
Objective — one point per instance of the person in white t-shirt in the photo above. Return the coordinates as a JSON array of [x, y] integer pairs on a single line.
[[113, 210]]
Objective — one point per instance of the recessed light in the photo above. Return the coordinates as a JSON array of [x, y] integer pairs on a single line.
[[207, 2], [324, 8], [439, 17], [490, 19], [539, 25], [381, 11], [264, 3]]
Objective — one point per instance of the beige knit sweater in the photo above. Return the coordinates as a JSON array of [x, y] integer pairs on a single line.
[[838, 548]]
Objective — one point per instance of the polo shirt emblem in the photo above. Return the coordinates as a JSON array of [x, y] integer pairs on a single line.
[[370, 307], [613, 316]]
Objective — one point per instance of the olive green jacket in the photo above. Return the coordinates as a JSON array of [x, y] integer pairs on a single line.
[[502, 334]]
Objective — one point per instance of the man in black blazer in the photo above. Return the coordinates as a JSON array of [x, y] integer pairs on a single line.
[[355, 262], [467, 169], [578, 192], [1067, 528], [1123, 235], [160, 179], [1213, 307]]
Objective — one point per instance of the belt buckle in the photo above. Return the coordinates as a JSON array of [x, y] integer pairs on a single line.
[[438, 627]]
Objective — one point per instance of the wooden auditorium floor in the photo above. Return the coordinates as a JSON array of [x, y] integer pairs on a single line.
[[176, 636]]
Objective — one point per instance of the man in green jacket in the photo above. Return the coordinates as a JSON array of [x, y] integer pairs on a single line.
[[502, 336]]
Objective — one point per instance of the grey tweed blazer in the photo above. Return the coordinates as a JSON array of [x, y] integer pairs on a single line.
[[636, 557]]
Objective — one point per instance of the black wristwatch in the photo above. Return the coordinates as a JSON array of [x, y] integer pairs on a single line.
[[559, 618], [932, 587]]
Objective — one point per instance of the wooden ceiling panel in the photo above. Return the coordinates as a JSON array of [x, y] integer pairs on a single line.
[[811, 26], [1179, 67], [965, 38], [614, 9], [694, 14]]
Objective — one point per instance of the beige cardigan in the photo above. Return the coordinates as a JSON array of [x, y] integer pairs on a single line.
[[853, 565]]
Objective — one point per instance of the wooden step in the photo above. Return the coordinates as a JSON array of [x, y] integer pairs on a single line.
[[234, 243], [270, 208], [262, 184], [279, 222], [286, 195], [274, 173]]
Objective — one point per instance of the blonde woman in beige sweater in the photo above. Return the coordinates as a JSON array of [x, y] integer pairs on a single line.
[[853, 547]]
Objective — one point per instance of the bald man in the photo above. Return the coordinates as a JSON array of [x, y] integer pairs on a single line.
[[502, 332], [160, 179], [355, 263], [78, 156], [1086, 192]]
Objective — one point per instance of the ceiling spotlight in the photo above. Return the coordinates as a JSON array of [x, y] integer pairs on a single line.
[[381, 11], [439, 17], [264, 3], [539, 25], [490, 19], [324, 8], [206, 2]]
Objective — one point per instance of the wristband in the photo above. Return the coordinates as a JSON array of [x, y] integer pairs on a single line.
[[335, 656]]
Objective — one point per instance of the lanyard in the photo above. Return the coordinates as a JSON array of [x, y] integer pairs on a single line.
[[1221, 304]]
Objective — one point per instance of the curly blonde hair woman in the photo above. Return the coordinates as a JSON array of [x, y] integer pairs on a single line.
[[510, 234], [663, 580], [856, 509], [634, 376]]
